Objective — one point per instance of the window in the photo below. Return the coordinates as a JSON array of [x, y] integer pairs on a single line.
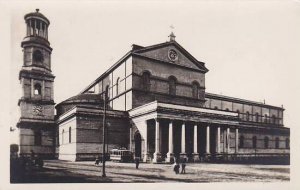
[[70, 131], [247, 116], [256, 117], [287, 143], [37, 89], [37, 138], [226, 109], [195, 89], [241, 142], [172, 85], [266, 118], [216, 107], [146, 80], [117, 86], [277, 142], [273, 119], [38, 56], [266, 142], [254, 139]]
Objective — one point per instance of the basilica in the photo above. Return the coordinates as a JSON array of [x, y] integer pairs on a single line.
[[156, 105]]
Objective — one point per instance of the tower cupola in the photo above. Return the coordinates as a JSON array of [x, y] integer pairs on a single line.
[[37, 24]]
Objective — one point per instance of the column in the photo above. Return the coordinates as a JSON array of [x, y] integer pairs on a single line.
[[43, 90], [32, 88], [47, 32], [157, 154], [130, 138], [236, 140], [41, 30], [28, 28], [170, 154], [228, 139], [146, 143], [183, 154], [195, 152], [34, 28], [218, 140], [207, 140]]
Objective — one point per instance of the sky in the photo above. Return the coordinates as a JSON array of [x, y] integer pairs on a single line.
[[251, 48]]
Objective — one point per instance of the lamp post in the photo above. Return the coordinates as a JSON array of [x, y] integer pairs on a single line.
[[104, 136]]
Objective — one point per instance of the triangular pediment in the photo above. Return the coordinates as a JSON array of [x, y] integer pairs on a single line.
[[171, 52]]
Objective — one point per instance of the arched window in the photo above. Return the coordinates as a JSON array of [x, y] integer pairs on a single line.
[[37, 89], [226, 109], [273, 119], [266, 142], [287, 143], [195, 89], [70, 135], [63, 137], [266, 118], [146, 80], [256, 117], [241, 142], [37, 138], [117, 86], [172, 85], [216, 107], [277, 142], [247, 116], [254, 139], [38, 56]]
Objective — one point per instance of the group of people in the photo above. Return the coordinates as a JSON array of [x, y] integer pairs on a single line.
[[177, 164]]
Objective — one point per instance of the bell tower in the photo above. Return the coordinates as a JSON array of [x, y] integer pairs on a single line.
[[36, 124]]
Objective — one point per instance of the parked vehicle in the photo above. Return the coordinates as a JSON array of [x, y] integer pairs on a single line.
[[121, 155]]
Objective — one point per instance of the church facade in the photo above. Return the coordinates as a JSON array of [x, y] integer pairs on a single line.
[[157, 107]]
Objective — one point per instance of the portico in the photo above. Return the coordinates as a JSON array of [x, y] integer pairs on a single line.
[[174, 131]]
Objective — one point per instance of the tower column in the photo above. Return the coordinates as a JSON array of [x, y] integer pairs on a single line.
[[32, 88], [195, 152], [34, 28], [170, 154], [43, 90], [157, 154]]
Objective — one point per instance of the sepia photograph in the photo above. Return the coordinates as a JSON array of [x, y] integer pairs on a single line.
[[202, 93]]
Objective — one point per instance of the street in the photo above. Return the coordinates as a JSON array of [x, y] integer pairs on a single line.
[[57, 171]]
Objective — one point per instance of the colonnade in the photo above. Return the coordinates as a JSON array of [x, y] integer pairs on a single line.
[[157, 155]]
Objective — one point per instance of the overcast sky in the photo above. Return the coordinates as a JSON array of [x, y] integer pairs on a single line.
[[250, 48]]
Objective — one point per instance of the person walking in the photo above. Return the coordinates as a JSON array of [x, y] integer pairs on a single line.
[[137, 162], [183, 165], [176, 166]]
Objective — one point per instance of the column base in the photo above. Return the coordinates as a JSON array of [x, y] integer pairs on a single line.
[[157, 157], [182, 155], [196, 157], [145, 158], [207, 157], [170, 158]]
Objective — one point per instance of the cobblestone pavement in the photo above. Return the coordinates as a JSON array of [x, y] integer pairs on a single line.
[[86, 172]]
